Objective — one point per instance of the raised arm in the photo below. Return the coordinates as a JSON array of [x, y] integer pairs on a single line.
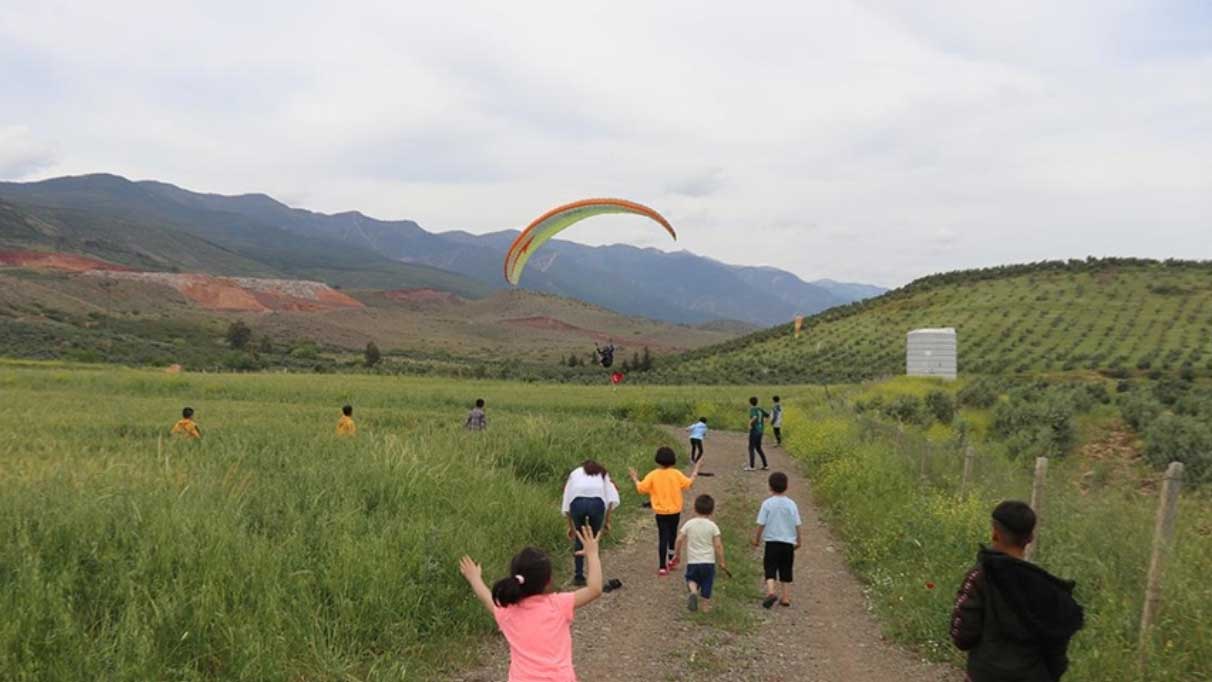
[[593, 568], [474, 575]]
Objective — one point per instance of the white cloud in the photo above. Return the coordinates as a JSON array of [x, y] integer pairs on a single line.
[[850, 140], [21, 154]]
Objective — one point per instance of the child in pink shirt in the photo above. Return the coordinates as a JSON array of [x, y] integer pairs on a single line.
[[537, 623]]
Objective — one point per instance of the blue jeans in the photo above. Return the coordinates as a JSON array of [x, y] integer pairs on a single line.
[[582, 511]]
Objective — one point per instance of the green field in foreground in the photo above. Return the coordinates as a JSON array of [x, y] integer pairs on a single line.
[[271, 550]]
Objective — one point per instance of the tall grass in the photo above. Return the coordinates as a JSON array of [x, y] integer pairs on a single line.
[[271, 550], [912, 539]]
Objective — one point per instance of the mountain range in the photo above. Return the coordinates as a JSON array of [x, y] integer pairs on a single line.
[[157, 226]]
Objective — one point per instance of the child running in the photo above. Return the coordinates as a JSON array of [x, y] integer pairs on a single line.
[[700, 538], [186, 427], [778, 525], [537, 623], [346, 425], [757, 422], [664, 486], [698, 431]]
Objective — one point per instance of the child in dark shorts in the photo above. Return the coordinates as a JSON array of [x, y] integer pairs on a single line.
[[778, 525], [700, 539]]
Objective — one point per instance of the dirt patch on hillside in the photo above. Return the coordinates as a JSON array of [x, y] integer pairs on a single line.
[[66, 262], [424, 296], [552, 324], [245, 294]]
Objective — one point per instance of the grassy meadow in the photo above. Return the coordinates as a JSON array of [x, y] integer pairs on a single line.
[[911, 533], [271, 549]]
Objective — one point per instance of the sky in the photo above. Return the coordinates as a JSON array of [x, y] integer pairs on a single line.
[[860, 141]]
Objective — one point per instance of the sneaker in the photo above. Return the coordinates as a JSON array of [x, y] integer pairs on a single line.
[[769, 601], [692, 602], [673, 563], [663, 572], [579, 581], [747, 469], [765, 468]]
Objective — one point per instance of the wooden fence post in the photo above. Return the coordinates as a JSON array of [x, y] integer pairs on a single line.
[[1037, 502], [1163, 540], [966, 478]]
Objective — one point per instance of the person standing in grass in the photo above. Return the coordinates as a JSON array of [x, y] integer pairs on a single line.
[[757, 424], [1014, 618], [778, 525], [476, 419], [589, 498], [698, 431], [346, 425], [776, 421], [537, 622], [186, 427], [700, 538], [664, 486]]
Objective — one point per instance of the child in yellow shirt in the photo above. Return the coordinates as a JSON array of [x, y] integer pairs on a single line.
[[345, 425], [186, 427], [664, 486]]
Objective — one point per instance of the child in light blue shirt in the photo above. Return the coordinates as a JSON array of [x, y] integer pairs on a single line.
[[778, 525], [698, 431]]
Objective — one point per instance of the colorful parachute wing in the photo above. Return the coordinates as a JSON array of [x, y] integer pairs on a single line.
[[560, 218]]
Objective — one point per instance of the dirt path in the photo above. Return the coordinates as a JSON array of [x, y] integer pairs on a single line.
[[643, 631]]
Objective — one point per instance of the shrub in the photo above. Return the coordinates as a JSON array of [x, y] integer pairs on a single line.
[[981, 394], [372, 356], [1169, 390], [1139, 409], [238, 335], [941, 405], [1181, 438], [1036, 421], [908, 409]]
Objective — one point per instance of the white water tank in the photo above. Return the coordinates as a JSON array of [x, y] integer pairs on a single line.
[[931, 353]]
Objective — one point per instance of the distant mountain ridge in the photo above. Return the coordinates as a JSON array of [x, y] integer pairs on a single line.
[[254, 234]]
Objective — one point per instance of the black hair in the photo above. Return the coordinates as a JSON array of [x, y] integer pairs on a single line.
[[593, 468], [703, 419], [776, 398], [778, 482], [753, 401], [479, 402], [187, 412], [666, 457], [1016, 521], [704, 505], [533, 566], [347, 410]]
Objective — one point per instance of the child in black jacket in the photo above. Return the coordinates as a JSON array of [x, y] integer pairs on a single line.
[[1014, 618]]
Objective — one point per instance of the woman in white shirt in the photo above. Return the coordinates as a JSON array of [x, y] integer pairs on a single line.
[[589, 497]]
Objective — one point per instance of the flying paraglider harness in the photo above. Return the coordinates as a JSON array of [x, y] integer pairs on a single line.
[[605, 355]]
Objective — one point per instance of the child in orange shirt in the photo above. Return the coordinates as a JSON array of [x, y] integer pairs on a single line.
[[664, 487], [185, 426], [346, 425]]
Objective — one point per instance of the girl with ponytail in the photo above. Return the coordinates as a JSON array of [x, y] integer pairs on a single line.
[[537, 622]]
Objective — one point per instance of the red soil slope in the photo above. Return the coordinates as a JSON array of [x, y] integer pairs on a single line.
[[68, 262], [246, 294]]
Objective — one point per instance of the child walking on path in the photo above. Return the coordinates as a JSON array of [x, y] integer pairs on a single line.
[[537, 623], [700, 538], [1014, 618], [778, 525], [757, 424], [698, 431], [664, 486], [776, 421]]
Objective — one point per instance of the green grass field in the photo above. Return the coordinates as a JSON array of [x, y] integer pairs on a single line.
[[1123, 318], [272, 550]]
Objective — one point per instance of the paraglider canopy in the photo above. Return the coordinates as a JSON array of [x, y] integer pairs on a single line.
[[560, 218], [605, 355]]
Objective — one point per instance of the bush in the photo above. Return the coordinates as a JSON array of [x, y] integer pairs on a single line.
[[1169, 390], [981, 394], [908, 409], [941, 405], [372, 354], [1139, 410], [1181, 438], [241, 362], [238, 335], [1036, 422]]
